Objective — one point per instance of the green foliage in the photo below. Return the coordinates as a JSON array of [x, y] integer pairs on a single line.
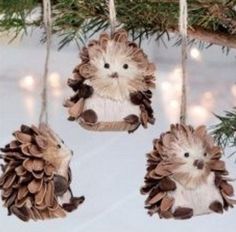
[[14, 14], [225, 131], [74, 19]]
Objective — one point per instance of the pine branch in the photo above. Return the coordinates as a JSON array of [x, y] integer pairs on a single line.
[[15, 15], [212, 21], [225, 131]]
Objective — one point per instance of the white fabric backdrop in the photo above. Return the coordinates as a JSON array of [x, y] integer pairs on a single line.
[[108, 168]]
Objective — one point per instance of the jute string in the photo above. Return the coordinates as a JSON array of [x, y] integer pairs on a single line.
[[183, 29], [47, 19]]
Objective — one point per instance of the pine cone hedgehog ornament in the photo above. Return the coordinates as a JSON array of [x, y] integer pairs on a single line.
[[112, 85], [186, 176], [36, 177]]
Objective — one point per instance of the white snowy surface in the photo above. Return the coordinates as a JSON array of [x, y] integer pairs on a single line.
[[108, 168]]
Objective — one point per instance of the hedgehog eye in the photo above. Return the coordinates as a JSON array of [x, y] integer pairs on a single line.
[[205, 154], [125, 66], [186, 154], [59, 146], [106, 65]]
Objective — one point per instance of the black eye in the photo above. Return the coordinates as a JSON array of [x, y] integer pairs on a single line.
[[106, 65], [125, 66], [205, 154], [59, 146], [186, 154]]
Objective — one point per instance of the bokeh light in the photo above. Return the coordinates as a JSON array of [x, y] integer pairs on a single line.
[[195, 54], [233, 90], [27, 83]]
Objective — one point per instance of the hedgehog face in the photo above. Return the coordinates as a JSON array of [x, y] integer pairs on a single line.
[[57, 152], [116, 74], [194, 163], [116, 67], [116, 64], [190, 152]]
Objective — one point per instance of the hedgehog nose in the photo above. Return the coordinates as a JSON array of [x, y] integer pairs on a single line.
[[114, 75], [199, 164]]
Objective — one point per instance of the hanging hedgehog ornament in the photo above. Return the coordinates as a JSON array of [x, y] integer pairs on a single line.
[[112, 85], [36, 176], [186, 176]]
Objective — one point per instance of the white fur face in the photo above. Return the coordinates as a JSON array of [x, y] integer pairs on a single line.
[[193, 158], [64, 155], [116, 74], [63, 151], [58, 153]]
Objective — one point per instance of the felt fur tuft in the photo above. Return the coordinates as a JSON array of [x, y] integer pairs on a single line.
[[115, 69], [188, 163], [36, 176]]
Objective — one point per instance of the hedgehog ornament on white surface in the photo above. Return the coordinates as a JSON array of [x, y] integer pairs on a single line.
[[112, 85], [186, 176], [36, 176]]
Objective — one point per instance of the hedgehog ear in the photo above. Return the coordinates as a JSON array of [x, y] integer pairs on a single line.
[[150, 69], [138, 56], [84, 56], [103, 40], [92, 43], [201, 131], [86, 70], [167, 139], [132, 45], [95, 51], [121, 36]]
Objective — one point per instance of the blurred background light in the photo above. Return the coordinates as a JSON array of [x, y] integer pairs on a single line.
[[233, 90], [27, 83], [195, 54]]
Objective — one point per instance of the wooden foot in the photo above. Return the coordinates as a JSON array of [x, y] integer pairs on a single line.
[[132, 119], [183, 213], [89, 116], [74, 203], [216, 207]]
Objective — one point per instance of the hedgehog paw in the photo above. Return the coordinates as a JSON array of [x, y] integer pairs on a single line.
[[183, 213], [60, 185], [166, 184], [73, 204], [136, 98], [216, 207], [89, 116], [132, 119], [133, 130]]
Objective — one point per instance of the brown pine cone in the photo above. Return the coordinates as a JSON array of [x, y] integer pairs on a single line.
[[36, 174], [183, 161], [94, 86]]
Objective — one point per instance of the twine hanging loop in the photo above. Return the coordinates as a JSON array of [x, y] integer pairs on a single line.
[[183, 29], [47, 20], [112, 15]]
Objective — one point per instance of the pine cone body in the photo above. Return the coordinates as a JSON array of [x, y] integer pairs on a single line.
[[36, 174], [185, 175], [112, 85]]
